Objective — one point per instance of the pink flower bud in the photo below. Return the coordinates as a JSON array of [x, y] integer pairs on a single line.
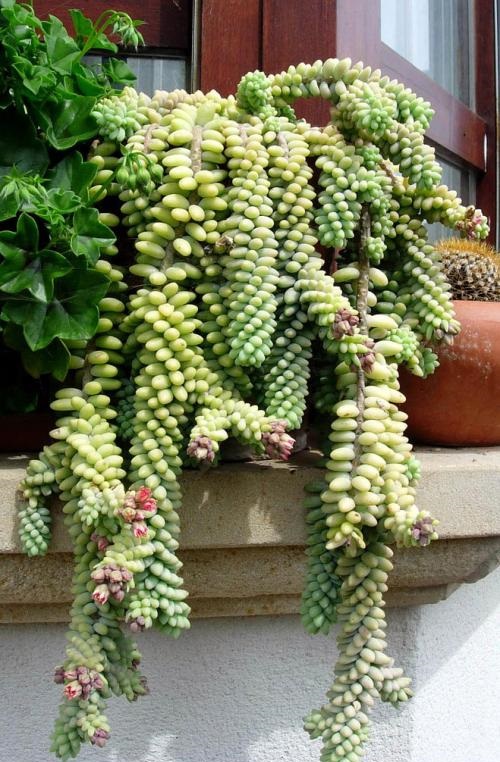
[[202, 449], [140, 529], [72, 690], [149, 505], [99, 737], [101, 594], [98, 575], [277, 442], [143, 494], [59, 675], [128, 514]]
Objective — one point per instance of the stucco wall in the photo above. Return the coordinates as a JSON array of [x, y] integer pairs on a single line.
[[235, 690]]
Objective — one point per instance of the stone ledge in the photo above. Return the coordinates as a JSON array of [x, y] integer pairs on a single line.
[[243, 538]]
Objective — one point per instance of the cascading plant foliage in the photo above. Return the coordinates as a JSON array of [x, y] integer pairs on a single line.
[[220, 205]]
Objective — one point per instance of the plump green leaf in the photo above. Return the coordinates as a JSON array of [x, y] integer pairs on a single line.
[[90, 235]]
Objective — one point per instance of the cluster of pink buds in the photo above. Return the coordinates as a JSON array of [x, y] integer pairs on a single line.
[[78, 682], [367, 359], [138, 624], [111, 580], [201, 448], [423, 531], [137, 507], [473, 219], [277, 442], [344, 323], [101, 541], [99, 738]]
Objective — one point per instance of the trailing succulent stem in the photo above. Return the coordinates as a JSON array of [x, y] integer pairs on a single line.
[[215, 315]]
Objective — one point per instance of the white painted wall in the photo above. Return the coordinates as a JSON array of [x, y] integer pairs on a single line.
[[235, 690]]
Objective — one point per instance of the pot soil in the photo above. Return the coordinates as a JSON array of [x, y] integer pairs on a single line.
[[459, 405]]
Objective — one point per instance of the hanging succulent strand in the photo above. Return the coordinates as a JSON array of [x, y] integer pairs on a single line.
[[219, 310]]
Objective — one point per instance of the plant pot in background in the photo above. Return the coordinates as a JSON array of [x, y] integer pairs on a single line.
[[459, 405]]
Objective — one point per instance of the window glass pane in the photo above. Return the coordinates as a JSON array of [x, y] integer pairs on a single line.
[[153, 73], [459, 179], [436, 37], [158, 73]]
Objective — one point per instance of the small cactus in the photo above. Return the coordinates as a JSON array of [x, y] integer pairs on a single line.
[[472, 269]]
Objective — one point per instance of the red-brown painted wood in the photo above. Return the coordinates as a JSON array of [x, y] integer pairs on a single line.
[[454, 126], [168, 22], [230, 42], [487, 190], [296, 31], [358, 31]]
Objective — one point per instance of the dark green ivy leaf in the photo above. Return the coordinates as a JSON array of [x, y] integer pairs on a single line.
[[26, 233], [69, 121], [90, 234], [62, 50], [118, 72], [73, 313], [54, 358], [19, 145], [37, 276], [72, 173]]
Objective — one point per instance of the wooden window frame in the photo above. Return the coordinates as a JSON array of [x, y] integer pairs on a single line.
[[241, 35]]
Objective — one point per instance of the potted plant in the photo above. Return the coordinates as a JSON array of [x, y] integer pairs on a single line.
[[459, 404], [209, 328]]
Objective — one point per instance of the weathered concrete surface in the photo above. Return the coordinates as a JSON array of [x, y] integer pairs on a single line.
[[243, 538]]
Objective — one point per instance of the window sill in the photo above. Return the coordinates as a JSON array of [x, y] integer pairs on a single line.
[[243, 538]]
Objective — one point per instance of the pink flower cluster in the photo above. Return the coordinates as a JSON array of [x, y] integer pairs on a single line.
[[138, 624], [367, 359], [422, 531], [473, 219], [344, 323], [111, 580], [99, 738], [101, 541], [277, 442], [136, 507], [78, 682], [201, 448]]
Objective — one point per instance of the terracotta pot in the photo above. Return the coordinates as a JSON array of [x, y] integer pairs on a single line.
[[459, 404]]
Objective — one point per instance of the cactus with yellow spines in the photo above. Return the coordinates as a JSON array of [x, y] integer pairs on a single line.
[[472, 269], [225, 301]]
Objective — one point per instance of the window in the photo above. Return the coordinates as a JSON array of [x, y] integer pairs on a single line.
[[437, 37], [445, 51], [165, 62]]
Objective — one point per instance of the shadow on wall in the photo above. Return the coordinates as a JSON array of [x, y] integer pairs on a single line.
[[228, 691]]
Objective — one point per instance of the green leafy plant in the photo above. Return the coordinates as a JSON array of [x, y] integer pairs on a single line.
[[227, 306], [51, 236]]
